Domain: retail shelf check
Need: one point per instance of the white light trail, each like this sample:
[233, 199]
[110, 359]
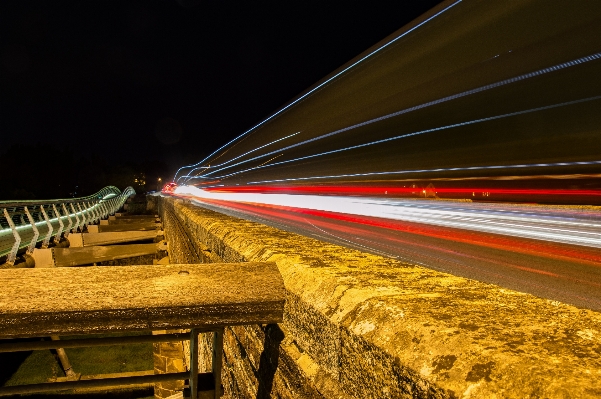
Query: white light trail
[475, 217]
[504, 82]
[488, 119]
[239, 156]
[322, 84]
[398, 172]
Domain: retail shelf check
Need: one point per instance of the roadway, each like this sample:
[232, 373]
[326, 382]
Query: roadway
[550, 252]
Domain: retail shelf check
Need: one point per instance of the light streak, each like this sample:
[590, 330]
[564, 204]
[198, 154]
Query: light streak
[379, 190]
[399, 172]
[269, 160]
[540, 72]
[239, 156]
[467, 123]
[322, 84]
[585, 232]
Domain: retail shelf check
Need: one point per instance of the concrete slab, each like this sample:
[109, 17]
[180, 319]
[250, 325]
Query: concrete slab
[106, 238]
[75, 240]
[124, 227]
[43, 257]
[64, 257]
[127, 220]
[65, 301]
[125, 215]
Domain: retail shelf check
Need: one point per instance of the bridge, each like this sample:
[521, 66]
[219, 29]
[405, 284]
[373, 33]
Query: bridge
[355, 324]
[424, 222]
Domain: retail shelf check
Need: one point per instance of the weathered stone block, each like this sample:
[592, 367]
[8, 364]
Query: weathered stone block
[359, 326]
[176, 365]
[160, 362]
[313, 332]
[171, 350]
[161, 393]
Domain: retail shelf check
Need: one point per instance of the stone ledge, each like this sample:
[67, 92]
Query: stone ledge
[61, 301]
[380, 328]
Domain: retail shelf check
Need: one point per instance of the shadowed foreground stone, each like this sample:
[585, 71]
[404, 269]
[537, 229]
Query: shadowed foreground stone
[360, 326]
[63, 301]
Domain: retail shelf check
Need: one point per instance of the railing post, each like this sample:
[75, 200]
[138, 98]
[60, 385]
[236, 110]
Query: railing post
[49, 234]
[85, 208]
[57, 237]
[97, 210]
[89, 206]
[194, 364]
[110, 206]
[217, 361]
[64, 359]
[13, 252]
[104, 209]
[36, 233]
[76, 218]
[86, 214]
[83, 217]
[92, 210]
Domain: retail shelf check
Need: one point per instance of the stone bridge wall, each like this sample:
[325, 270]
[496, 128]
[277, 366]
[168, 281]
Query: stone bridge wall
[362, 326]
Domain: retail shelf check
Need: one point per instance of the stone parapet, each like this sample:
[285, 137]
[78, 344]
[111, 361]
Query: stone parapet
[358, 325]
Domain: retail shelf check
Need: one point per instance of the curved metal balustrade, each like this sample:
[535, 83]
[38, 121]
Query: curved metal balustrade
[25, 223]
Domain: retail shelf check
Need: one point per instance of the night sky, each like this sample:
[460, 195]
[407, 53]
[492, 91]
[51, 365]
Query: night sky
[164, 82]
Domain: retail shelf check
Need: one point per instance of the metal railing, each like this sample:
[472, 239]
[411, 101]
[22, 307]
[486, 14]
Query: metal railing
[197, 298]
[25, 223]
[194, 382]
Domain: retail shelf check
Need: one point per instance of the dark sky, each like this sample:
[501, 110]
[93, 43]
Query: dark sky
[170, 80]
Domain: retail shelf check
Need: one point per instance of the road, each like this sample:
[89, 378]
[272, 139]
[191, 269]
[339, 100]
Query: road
[563, 262]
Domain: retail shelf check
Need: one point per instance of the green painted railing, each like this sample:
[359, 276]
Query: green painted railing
[25, 223]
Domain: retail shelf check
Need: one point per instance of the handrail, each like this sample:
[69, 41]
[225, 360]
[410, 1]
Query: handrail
[24, 223]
